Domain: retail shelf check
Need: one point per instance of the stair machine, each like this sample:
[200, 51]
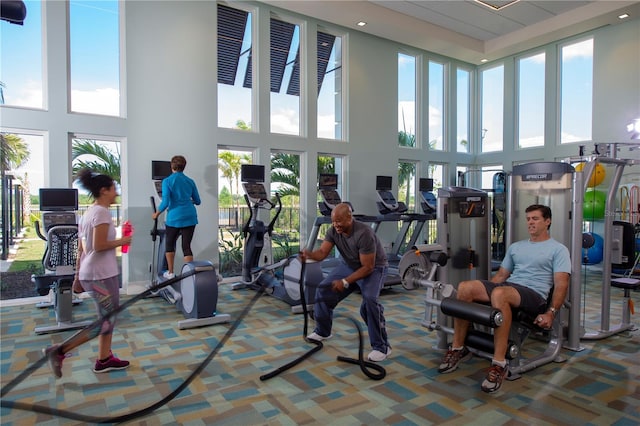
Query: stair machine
[258, 269]
[58, 207]
[461, 253]
[396, 212]
[330, 198]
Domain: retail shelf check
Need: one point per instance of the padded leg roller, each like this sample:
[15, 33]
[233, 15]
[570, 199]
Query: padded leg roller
[474, 312]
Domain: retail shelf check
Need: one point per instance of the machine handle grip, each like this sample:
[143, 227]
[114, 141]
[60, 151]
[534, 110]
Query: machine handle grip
[154, 230]
[37, 224]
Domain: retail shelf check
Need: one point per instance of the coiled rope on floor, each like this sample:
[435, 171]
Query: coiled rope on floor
[365, 366]
[138, 413]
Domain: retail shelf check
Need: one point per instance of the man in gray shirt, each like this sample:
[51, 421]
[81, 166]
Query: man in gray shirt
[364, 266]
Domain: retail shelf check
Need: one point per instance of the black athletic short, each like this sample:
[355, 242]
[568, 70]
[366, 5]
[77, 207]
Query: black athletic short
[530, 300]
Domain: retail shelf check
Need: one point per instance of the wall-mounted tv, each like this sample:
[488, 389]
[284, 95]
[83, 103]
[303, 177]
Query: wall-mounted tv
[58, 199]
[426, 185]
[328, 181]
[160, 169]
[251, 173]
[383, 183]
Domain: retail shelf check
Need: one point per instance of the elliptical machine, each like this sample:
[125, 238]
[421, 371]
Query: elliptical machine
[196, 296]
[258, 271]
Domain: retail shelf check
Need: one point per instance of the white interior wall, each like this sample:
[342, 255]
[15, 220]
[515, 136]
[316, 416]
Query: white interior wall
[170, 49]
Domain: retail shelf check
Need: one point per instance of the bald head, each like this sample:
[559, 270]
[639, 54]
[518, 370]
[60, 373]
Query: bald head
[341, 218]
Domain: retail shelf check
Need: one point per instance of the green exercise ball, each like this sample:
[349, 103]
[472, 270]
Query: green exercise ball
[594, 204]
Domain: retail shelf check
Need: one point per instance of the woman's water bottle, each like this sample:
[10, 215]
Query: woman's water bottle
[127, 231]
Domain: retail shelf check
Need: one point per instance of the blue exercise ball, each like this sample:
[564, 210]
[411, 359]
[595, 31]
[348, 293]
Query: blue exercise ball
[595, 253]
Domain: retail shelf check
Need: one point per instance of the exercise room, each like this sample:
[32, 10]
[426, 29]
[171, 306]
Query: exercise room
[320, 212]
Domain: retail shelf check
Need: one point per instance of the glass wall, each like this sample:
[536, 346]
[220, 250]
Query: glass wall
[577, 91]
[94, 55]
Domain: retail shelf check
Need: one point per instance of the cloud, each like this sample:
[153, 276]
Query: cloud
[100, 101]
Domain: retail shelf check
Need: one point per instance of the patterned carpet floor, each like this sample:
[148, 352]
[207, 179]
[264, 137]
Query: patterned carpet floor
[599, 385]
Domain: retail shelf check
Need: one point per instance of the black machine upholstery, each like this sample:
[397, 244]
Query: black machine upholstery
[60, 256]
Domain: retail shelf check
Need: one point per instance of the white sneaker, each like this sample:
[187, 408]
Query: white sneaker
[377, 356]
[318, 338]
[168, 275]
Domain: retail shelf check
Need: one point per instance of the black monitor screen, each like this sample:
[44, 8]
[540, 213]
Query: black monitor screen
[58, 199]
[426, 185]
[251, 173]
[383, 183]
[160, 169]
[328, 181]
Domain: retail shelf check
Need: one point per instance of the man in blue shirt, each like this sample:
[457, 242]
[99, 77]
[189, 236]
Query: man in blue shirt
[530, 269]
[180, 196]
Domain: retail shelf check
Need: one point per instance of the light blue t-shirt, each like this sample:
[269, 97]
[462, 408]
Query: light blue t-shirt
[532, 264]
[179, 195]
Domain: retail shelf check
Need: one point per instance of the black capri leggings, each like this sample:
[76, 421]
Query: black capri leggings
[171, 235]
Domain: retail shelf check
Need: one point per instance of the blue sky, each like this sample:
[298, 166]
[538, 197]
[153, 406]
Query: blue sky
[94, 47]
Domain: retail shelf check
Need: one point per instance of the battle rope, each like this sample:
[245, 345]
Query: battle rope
[364, 365]
[141, 412]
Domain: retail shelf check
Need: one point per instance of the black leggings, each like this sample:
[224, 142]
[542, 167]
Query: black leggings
[171, 237]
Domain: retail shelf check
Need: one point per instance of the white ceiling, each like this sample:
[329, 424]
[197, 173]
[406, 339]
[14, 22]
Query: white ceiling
[465, 29]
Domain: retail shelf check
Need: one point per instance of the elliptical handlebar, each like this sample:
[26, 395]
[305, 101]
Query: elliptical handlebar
[154, 230]
[253, 211]
[275, 217]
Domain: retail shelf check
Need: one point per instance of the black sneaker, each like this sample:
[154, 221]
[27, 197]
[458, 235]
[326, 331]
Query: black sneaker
[55, 358]
[453, 358]
[494, 378]
[112, 363]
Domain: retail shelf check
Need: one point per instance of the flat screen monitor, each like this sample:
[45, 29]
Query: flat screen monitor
[160, 169]
[383, 183]
[328, 181]
[426, 185]
[251, 173]
[58, 199]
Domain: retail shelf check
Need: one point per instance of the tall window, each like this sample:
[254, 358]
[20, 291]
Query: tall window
[95, 56]
[26, 161]
[332, 165]
[437, 173]
[232, 209]
[21, 59]
[285, 181]
[235, 68]
[406, 100]
[327, 164]
[407, 183]
[100, 155]
[330, 77]
[436, 105]
[531, 82]
[462, 127]
[285, 77]
[492, 108]
[577, 91]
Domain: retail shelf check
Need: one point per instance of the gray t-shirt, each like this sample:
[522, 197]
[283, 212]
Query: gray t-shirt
[361, 241]
[96, 265]
[532, 264]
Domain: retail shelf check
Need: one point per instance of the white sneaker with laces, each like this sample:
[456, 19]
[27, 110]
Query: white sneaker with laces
[318, 338]
[168, 275]
[377, 356]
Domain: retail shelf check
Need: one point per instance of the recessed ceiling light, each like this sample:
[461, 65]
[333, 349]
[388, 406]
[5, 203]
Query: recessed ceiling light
[361, 24]
[484, 60]
[497, 5]
[623, 16]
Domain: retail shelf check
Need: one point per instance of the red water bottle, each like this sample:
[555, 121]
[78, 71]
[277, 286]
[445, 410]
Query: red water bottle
[127, 231]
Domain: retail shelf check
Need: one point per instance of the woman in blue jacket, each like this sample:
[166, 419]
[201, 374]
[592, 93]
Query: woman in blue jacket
[179, 198]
